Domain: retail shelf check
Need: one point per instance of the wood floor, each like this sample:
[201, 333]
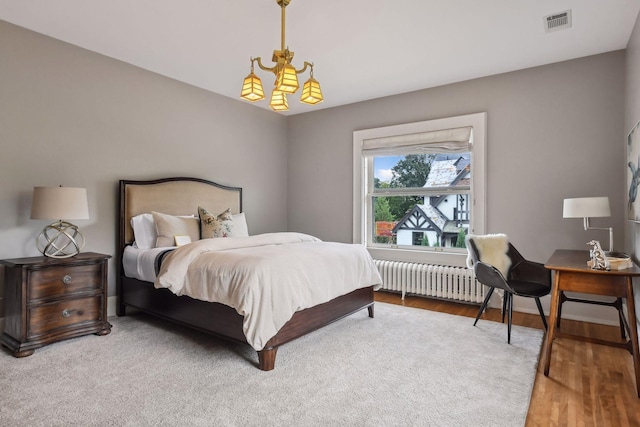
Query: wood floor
[588, 384]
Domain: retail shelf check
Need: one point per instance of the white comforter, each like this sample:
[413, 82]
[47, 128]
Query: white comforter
[267, 277]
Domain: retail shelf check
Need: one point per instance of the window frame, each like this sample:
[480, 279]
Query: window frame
[362, 178]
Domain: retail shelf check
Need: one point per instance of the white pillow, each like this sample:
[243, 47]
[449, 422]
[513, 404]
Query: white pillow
[169, 226]
[240, 228]
[144, 231]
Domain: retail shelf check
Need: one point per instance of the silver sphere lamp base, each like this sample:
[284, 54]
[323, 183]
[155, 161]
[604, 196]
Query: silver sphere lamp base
[60, 240]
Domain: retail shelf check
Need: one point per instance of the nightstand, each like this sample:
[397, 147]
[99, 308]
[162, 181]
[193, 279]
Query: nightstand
[48, 300]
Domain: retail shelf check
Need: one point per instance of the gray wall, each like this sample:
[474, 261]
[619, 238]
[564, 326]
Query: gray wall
[553, 132]
[72, 117]
[632, 116]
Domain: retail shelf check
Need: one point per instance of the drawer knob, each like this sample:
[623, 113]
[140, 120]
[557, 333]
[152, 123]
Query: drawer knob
[66, 279]
[66, 312]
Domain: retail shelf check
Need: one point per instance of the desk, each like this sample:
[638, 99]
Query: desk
[573, 275]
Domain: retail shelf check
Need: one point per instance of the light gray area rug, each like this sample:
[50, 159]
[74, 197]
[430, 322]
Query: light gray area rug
[405, 367]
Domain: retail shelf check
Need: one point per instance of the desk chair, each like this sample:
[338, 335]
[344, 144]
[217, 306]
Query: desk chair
[523, 278]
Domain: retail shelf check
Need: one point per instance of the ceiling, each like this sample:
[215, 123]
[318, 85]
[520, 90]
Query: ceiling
[362, 49]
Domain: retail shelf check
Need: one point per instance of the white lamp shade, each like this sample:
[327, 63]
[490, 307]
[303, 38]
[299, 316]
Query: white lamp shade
[586, 207]
[59, 203]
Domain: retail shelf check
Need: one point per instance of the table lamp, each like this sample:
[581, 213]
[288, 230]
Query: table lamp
[60, 239]
[589, 207]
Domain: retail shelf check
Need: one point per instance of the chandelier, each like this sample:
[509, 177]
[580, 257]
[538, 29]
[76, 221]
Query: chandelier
[286, 77]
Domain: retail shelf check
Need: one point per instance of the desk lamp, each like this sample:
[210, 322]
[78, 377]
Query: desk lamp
[591, 207]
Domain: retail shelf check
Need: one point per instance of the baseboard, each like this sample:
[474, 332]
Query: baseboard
[600, 314]
[111, 306]
[112, 303]
[574, 317]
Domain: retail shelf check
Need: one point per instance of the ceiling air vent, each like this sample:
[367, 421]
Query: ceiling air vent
[557, 21]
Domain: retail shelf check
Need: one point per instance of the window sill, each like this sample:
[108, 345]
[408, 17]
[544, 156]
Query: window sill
[455, 259]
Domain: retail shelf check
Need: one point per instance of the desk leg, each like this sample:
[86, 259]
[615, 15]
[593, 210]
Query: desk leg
[555, 296]
[633, 326]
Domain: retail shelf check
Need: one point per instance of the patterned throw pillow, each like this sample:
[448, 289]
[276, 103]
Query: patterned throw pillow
[220, 225]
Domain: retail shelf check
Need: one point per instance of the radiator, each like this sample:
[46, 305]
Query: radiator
[454, 283]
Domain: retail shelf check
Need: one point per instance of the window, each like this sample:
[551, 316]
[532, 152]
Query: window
[419, 188]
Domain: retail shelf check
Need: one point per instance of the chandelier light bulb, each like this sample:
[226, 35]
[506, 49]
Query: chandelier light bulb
[252, 88]
[279, 101]
[311, 93]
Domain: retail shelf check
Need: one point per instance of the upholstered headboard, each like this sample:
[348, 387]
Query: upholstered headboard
[173, 196]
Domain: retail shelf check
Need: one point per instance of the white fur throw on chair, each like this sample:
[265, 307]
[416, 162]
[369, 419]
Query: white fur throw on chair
[492, 250]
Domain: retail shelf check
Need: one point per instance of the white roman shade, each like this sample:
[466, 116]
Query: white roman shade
[457, 140]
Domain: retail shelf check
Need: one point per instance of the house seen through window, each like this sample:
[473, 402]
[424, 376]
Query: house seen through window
[437, 214]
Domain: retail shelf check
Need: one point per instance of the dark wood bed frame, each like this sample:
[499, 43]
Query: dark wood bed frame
[181, 196]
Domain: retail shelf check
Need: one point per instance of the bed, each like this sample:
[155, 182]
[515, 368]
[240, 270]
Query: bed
[180, 197]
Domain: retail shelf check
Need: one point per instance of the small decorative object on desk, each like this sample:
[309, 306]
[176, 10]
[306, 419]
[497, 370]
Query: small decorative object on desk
[616, 260]
[619, 263]
[598, 259]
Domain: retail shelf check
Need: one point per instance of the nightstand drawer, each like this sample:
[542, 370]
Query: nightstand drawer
[47, 317]
[60, 281]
